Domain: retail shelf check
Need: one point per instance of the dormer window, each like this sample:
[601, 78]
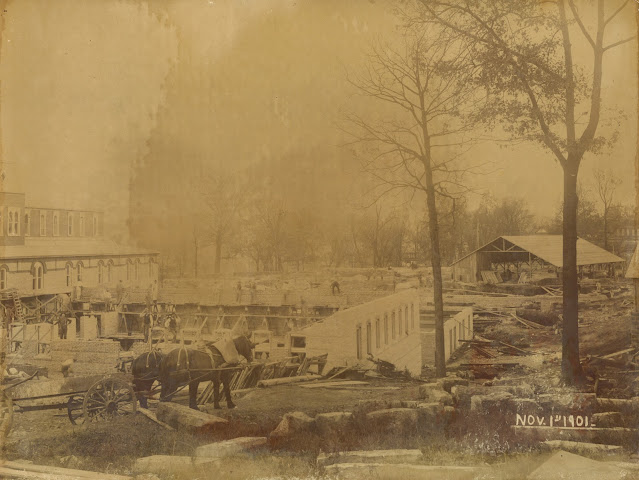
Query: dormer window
[14, 222]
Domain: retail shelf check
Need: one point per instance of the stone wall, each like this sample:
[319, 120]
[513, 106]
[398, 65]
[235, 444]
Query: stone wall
[91, 357]
[386, 328]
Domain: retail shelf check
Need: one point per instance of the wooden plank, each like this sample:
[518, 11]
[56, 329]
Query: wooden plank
[46, 471]
[335, 384]
[287, 380]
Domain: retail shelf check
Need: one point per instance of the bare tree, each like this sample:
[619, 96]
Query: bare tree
[423, 85]
[606, 183]
[223, 197]
[524, 51]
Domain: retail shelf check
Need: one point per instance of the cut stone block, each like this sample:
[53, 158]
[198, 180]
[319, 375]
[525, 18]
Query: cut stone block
[229, 447]
[184, 418]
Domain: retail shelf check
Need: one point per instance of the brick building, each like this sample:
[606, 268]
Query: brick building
[46, 251]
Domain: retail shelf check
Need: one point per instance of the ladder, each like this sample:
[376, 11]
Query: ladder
[17, 303]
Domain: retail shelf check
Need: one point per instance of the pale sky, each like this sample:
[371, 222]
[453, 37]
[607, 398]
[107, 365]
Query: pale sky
[90, 88]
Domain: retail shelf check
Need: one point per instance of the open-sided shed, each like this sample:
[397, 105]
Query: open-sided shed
[526, 249]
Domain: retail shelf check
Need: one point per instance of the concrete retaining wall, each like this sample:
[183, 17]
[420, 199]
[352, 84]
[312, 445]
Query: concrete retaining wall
[387, 328]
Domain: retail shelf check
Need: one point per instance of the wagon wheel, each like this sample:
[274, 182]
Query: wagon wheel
[6, 416]
[109, 398]
[75, 409]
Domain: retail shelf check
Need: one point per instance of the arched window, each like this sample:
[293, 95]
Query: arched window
[81, 226]
[10, 226]
[1, 225]
[43, 225]
[56, 224]
[95, 225]
[79, 268]
[4, 274]
[100, 272]
[369, 338]
[378, 333]
[109, 271]
[69, 272]
[70, 225]
[27, 223]
[399, 321]
[38, 276]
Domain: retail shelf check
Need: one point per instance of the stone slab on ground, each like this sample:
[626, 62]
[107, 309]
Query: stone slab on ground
[184, 418]
[609, 436]
[568, 466]
[572, 447]
[371, 456]
[433, 392]
[332, 421]
[291, 423]
[399, 471]
[229, 447]
[168, 464]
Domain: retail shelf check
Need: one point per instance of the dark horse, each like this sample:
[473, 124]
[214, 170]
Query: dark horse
[145, 369]
[186, 366]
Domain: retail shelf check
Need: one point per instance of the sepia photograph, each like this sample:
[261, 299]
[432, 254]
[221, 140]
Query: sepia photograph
[319, 239]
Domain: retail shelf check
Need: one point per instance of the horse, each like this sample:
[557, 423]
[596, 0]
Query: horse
[186, 366]
[145, 369]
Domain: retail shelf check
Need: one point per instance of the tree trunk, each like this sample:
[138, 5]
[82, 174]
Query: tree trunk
[605, 229]
[570, 365]
[435, 259]
[218, 254]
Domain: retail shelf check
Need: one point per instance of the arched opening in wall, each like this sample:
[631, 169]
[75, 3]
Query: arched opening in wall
[369, 338]
[43, 225]
[56, 224]
[406, 319]
[27, 224]
[400, 325]
[69, 273]
[386, 329]
[378, 333]
[358, 341]
[412, 315]
[100, 272]
[37, 272]
[393, 326]
[4, 278]
[81, 226]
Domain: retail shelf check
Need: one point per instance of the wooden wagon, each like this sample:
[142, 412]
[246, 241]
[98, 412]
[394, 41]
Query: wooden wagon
[89, 398]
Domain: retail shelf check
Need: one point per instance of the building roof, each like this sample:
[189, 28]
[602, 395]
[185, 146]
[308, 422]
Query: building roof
[633, 268]
[549, 248]
[64, 247]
